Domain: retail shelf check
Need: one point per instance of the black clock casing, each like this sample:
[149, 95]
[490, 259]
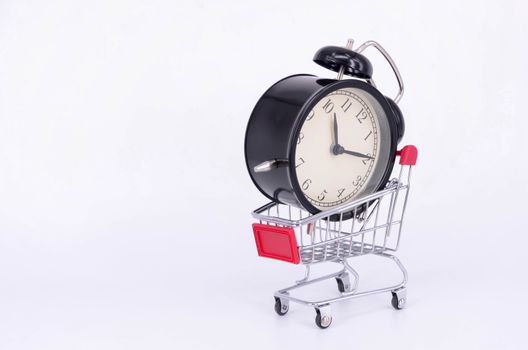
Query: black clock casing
[275, 123]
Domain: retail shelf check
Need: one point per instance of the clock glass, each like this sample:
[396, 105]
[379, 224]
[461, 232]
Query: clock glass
[342, 148]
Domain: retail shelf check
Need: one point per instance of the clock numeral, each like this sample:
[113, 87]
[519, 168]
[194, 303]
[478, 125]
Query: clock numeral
[366, 137]
[362, 115]
[366, 160]
[301, 136]
[306, 184]
[345, 106]
[310, 115]
[322, 195]
[299, 162]
[356, 181]
[328, 106]
[340, 192]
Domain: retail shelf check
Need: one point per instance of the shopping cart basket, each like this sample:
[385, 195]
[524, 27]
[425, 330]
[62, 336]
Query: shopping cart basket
[296, 236]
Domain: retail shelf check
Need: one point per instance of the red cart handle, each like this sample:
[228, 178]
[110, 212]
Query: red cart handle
[408, 155]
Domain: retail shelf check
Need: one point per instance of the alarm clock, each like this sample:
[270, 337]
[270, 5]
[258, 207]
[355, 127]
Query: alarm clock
[318, 143]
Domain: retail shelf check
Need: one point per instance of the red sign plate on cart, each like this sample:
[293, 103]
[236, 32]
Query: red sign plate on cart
[276, 242]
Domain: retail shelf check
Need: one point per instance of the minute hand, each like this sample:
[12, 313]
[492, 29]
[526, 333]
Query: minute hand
[357, 154]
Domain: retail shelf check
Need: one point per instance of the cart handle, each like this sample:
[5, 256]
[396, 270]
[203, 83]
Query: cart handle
[408, 155]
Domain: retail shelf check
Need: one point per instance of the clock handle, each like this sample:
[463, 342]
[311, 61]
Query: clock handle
[391, 63]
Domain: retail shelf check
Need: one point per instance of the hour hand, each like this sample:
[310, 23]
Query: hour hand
[357, 154]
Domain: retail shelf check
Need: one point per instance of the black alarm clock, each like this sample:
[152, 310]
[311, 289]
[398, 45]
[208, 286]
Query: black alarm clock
[318, 143]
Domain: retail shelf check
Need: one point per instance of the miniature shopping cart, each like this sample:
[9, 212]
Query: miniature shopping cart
[296, 236]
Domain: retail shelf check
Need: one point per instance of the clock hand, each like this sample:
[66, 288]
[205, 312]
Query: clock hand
[338, 149]
[357, 154]
[335, 130]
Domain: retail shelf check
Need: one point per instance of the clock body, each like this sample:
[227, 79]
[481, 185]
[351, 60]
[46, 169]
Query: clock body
[328, 141]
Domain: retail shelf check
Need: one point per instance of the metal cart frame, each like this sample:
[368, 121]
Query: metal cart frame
[296, 236]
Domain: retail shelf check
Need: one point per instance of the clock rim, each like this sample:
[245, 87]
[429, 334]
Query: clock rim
[331, 86]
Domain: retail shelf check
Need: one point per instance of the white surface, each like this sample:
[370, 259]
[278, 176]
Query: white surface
[124, 198]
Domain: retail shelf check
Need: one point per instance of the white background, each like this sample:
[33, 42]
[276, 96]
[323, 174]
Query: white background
[125, 202]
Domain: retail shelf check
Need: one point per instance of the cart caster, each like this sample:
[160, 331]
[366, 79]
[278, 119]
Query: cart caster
[343, 282]
[399, 298]
[323, 319]
[282, 306]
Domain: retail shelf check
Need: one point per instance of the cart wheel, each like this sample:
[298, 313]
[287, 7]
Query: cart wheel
[399, 298]
[323, 321]
[340, 285]
[281, 308]
[343, 282]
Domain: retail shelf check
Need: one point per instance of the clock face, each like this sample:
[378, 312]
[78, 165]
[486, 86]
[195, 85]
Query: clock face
[342, 148]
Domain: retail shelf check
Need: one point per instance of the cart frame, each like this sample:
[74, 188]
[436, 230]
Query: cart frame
[296, 236]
